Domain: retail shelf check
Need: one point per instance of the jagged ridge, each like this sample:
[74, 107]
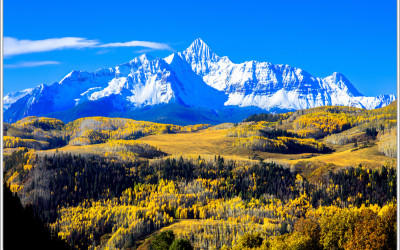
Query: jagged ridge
[196, 79]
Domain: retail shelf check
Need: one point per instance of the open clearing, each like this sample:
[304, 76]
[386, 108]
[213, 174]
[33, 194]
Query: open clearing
[209, 143]
[215, 142]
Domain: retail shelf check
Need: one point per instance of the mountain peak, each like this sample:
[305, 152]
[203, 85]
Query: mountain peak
[142, 58]
[73, 74]
[342, 82]
[198, 42]
[200, 50]
[146, 56]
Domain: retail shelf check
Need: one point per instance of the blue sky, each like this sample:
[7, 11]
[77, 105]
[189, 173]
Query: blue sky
[356, 38]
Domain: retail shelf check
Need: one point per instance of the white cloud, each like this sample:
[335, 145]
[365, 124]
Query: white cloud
[150, 45]
[13, 46]
[141, 51]
[102, 52]
[29, 64]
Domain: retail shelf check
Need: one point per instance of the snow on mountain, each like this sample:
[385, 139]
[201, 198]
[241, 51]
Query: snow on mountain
[369, 102]
[270, 86]
[145, 85]
[190, 88]
[13, 97]
[196, 78]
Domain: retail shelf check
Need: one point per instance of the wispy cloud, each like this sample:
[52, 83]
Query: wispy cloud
[150, 45]
[13, 46]
[103, 51]
[29, 64]
[141, 51]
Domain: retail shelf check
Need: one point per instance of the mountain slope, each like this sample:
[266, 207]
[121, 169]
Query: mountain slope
[195, 80]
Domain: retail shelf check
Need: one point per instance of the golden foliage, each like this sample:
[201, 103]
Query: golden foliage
[248, 130]
[280, 144]
[101, 129]
[322, 123]
[31, 123]
[388, 142]
[14, 142]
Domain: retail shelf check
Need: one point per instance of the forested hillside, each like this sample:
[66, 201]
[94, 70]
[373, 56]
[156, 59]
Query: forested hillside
[321, 178]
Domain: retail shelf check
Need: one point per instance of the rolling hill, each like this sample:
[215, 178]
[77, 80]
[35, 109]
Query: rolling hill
[117, 183]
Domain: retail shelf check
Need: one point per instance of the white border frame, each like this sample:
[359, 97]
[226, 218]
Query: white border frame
[398, 130]
[1, 123]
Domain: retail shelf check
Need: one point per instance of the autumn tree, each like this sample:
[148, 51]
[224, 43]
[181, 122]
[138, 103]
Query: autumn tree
[248, 241]
[369, 232]
[306, 234]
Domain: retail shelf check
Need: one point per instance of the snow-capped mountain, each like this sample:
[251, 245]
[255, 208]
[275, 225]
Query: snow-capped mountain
[270, 86]
[195, 81]
[13, 97]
